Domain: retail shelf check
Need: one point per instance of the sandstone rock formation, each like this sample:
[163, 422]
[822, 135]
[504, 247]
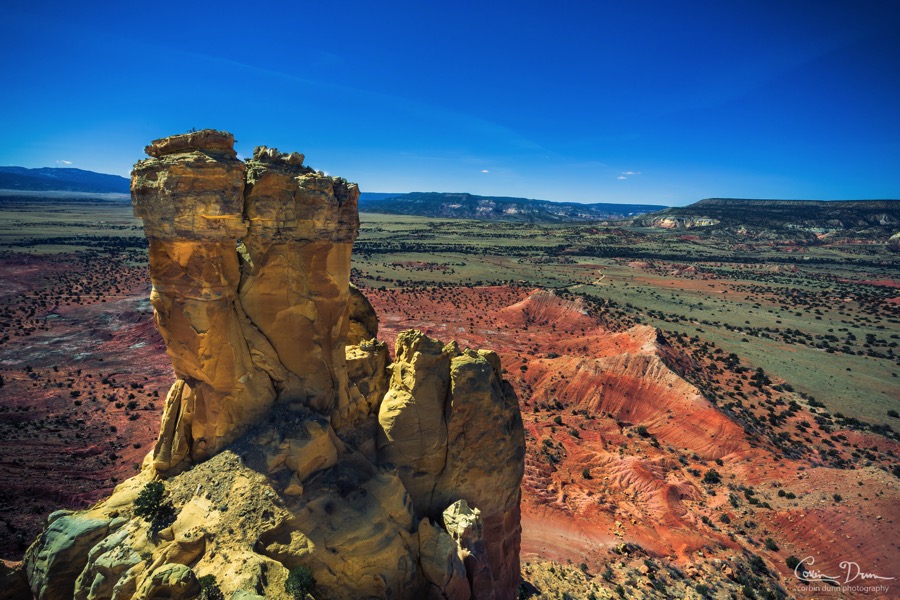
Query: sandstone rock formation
[288, 439]
[232, 319]
[442, 403]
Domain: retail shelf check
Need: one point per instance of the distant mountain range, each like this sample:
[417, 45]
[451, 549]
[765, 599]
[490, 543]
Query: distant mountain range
[495, 208]
[779, 218]
[59, 179]
[712, 216]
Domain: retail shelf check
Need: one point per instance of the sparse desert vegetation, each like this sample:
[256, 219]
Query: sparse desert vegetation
[773, 397]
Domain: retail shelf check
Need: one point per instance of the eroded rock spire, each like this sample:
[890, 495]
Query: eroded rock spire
[250, 266]
[288, 439]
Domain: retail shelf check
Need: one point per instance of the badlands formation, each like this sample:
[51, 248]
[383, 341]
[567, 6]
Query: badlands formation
[289, 438]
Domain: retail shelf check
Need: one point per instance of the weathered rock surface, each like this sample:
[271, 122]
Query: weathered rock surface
[288, 439]
[442, 565]
[363, 320]
[295, 272]
[191, 199]
[452, 427]
[232, 320]
[680, 222]
[60, 554]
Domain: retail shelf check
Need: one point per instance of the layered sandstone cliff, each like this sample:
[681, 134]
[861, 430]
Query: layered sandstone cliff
[288, 438]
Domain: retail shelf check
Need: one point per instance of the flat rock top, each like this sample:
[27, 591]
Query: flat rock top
[207, 140]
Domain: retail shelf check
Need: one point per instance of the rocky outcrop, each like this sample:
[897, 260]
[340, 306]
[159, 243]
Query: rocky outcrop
[295, 273]
[288, 439]
[678, 222]
[801, 221]
[231, 319]
[440, 422]
[62, 552]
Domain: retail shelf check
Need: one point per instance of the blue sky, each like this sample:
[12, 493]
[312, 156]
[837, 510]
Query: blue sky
[658, 102]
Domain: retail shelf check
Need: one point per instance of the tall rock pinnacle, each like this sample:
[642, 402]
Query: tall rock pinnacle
[250, 266]
[289, 440]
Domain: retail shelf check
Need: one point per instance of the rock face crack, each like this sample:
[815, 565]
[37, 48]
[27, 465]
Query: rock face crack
[282, 406]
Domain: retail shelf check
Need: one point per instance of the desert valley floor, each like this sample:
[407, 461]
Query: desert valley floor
[698, 411]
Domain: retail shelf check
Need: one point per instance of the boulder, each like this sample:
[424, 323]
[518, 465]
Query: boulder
[171, 581]
[442, 565]
[57, 557]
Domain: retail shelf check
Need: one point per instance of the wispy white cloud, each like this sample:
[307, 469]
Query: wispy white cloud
[485, 171]
[631, 173]
[64, 162]
[410, 105]
[621, 177]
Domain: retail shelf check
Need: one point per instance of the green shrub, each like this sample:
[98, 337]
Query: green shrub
[209, 589]
[153, 506]
[300, 582]
[758, 565]
[771, 545]
[586, 473]
[792, 562]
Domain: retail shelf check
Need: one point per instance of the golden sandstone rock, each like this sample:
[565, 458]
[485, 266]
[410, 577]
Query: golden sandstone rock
[288, 439]
[440, 423]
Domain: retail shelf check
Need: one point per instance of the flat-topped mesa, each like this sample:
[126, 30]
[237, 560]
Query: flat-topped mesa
[250, 266]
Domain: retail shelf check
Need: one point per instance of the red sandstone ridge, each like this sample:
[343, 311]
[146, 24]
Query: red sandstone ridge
[605, 387]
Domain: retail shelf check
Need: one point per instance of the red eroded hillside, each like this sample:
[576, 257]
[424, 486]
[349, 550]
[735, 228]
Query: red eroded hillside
[622, 449]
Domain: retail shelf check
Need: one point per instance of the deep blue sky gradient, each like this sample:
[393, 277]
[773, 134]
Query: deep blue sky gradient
[661, 102]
